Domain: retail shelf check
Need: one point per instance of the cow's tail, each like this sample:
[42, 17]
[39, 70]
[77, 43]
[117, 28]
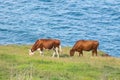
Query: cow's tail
[60, 49]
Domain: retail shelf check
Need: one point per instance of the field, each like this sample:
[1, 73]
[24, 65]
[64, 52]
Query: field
[16, 64]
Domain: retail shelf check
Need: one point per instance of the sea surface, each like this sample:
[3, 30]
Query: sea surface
[25, 21]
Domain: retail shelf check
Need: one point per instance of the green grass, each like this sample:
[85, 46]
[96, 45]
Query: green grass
[16, 64]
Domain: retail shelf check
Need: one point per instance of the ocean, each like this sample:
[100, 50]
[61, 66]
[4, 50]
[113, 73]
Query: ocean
[25, 21]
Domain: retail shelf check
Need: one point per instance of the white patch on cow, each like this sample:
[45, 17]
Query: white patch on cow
[38, 49]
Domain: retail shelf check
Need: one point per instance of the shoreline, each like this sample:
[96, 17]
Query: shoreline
[30, 45]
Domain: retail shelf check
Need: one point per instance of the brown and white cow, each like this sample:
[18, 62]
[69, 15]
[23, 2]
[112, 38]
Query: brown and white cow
[42, 44]
[85, 45]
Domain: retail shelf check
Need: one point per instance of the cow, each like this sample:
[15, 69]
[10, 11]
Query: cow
[85, 45]
[42, 44]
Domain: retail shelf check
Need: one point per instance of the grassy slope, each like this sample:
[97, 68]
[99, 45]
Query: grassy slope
[16, 64]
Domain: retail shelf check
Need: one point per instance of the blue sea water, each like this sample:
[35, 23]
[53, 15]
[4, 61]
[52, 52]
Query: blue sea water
[25, 21]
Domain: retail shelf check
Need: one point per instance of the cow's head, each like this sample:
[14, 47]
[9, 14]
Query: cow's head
[30, 52]
[72, 52]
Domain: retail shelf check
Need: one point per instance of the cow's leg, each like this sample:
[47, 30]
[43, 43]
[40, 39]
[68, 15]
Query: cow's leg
[80, 52]
[94, 52]
[53, 53]
[41, 51]
[57, 50]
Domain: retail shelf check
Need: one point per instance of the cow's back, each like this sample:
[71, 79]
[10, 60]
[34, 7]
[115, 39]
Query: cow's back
[49, 43]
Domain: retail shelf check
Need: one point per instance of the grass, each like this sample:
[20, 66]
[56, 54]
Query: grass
[16, 64]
